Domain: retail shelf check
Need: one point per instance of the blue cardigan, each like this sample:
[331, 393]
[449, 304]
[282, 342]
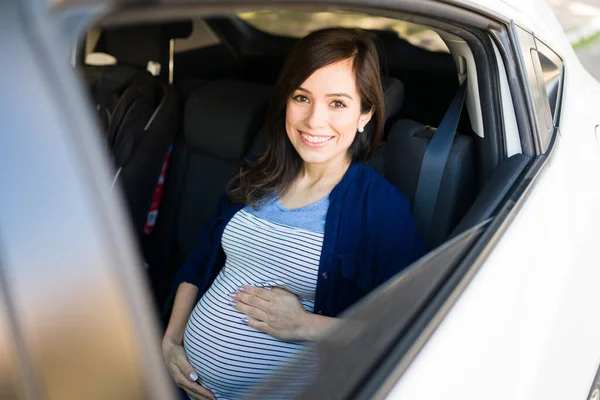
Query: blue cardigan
[370, 236]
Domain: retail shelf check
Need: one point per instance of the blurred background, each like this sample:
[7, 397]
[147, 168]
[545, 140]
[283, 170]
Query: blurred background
[580, 20]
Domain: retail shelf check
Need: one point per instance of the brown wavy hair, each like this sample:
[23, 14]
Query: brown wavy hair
[279, 166]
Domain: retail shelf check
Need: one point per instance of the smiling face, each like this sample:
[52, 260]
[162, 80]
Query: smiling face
[324, 114]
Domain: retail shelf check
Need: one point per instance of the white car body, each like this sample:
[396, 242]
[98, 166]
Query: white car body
[527, 326]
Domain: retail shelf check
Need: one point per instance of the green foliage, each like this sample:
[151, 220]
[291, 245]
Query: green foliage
[581, 43]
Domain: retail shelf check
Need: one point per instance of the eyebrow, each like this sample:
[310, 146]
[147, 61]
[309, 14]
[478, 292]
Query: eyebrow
[328, 94]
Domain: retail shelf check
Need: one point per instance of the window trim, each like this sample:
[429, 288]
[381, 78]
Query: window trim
[545, 127]
[558, 61]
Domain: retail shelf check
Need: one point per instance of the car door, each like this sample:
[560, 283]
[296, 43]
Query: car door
[75, 320]
[523, 328]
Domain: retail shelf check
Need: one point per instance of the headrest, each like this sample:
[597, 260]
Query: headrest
[108, 80]
[221, 117]
[393, 92]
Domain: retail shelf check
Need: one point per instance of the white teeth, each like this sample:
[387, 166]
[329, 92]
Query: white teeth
[315, 139]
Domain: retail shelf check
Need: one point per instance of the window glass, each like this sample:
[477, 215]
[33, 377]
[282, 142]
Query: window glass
[299, 24]
[202, 36]
[551, 74]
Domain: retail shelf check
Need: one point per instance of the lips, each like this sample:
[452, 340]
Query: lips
[314, 140]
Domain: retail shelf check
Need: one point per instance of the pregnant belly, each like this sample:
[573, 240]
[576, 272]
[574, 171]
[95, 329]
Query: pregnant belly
[230, 357]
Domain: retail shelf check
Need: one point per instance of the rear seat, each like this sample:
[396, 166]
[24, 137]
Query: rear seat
[204, 162]
[220, 121]
[403, 157]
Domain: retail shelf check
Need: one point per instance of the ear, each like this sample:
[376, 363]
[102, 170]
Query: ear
[364, 119]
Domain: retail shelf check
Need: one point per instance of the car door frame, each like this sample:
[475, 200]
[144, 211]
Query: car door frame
[79, 319]
[528, 128]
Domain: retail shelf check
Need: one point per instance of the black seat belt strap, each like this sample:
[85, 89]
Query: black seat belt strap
[434, 164]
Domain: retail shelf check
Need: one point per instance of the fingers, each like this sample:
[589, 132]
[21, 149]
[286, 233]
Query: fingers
[280, 290]
[251, 311]
[264, 294]
[195, 396]
[261, 326]
[194, 388]
[182, 362]
[252, 300]
[185, 376]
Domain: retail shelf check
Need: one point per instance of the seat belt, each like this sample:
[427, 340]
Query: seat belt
[434, 164]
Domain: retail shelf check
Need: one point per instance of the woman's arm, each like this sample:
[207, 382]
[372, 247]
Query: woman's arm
[315, 326]
[179, 366]
[185, 300]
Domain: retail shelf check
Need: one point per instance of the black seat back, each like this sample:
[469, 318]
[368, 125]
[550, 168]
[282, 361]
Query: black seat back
[403, 157]
[221, 119]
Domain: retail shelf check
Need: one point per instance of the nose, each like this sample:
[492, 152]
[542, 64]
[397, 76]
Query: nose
[317, 116]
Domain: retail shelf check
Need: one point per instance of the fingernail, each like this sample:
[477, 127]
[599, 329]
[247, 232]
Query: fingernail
[244, 320]
[193, 376]
[233, 303]
[241, 289]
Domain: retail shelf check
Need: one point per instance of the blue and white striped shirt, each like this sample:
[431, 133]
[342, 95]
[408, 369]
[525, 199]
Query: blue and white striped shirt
[271, 246]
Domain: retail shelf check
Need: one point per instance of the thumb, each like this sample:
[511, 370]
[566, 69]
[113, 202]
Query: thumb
[193, 375]
[187, 369]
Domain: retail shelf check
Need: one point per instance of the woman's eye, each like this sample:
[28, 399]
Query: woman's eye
[338, 104]
[300, 98]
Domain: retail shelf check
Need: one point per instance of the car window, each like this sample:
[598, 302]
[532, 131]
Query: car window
[93, 57]
[202, 36]
[533, 74]
[299, 24]
[550, 71]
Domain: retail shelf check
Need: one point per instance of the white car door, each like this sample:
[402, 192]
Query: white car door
[526, 326]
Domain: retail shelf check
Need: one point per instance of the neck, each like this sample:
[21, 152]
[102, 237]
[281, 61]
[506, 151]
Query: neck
[316, 173]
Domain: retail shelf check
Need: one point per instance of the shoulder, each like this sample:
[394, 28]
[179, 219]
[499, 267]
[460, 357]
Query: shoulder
[385, 219]
[374, 188]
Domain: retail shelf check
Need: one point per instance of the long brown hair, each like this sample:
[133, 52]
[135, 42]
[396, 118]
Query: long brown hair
[277, 169]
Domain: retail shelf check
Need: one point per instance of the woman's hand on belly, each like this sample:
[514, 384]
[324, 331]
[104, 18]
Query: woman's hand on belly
[182, 371]
[279, 313]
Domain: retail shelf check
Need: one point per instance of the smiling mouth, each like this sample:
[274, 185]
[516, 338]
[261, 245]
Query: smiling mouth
[315, 139]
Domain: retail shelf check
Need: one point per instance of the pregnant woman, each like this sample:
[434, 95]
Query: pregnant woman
[303, 233]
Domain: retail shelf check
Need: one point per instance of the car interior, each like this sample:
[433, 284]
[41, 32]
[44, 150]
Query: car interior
[181, 104]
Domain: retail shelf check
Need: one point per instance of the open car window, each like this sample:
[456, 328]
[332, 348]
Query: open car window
[299, 24]
[210, 80]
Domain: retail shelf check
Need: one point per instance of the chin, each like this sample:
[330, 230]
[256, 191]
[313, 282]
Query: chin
[314, 157]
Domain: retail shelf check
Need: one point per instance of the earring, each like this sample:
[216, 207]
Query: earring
[361, 129]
